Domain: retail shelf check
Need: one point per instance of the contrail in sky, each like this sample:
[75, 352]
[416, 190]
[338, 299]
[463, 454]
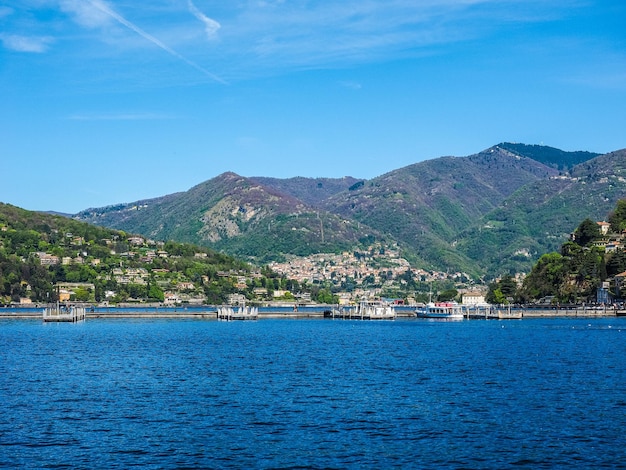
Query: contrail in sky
[119, 18]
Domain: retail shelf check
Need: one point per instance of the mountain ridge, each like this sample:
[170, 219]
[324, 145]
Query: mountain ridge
[430, 209]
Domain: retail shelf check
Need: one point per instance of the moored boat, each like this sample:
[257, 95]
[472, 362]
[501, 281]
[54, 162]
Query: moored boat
[446, 310]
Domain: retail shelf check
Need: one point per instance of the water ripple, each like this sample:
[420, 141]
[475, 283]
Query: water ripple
[313, 394]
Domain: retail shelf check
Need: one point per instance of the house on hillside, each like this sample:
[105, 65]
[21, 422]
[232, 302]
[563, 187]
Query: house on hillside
[136, 241]
[81, 291]
[236, 299]
[46, 259]
[604, 227]
[171, 298]
[620, 284]
[613, 246]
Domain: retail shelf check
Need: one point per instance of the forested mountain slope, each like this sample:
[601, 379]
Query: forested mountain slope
[448, 213]
[538, 217]
[239, 216]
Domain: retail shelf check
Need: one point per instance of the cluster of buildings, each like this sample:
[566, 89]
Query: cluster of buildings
[359, 266]
[363, 267]
[611, 242]
[369, 272]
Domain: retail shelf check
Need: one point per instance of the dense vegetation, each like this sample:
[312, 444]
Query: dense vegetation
[538, 216]
[573, 274]
[84, 254]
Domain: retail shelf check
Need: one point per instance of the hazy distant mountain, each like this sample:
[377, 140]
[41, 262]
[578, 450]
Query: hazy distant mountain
[511, 201]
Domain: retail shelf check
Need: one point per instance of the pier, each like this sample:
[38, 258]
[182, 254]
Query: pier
[363, 311]
[78, 312]
[504, 312]
[492, 313]
[241, 313]
[64, 313]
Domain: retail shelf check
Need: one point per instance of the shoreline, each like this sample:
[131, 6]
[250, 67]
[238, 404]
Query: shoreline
[211, 314]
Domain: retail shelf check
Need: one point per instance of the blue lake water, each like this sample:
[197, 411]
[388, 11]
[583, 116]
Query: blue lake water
[276, 393]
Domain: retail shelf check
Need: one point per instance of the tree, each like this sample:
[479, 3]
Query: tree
[508, 286]
[497, 297]
[448, 294]
[499, 292]
[324, 296]
[587, 232]
[616, 263]
[617, 218]
[82, 295]
[546, 277]
[155, 293]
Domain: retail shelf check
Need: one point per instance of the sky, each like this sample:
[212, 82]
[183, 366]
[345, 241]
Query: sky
[111, 101]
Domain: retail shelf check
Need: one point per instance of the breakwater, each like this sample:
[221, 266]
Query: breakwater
[312, 311]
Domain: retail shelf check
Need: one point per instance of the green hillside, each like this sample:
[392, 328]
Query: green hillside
[538, 217]
[426, 206]
[41, 252]
[311, 191]
[586, 268]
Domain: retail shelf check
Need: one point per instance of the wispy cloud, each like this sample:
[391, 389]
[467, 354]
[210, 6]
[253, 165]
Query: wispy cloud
[25, 43]
[96, 13]
[615, 80]
[301, 33]
[210, 26]
[270, 36]
[87, 13]
[131, 116]
[351, 85]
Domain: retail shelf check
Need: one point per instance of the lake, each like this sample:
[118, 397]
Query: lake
[283, 393]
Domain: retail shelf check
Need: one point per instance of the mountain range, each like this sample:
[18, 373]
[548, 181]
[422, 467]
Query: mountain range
[485, 214]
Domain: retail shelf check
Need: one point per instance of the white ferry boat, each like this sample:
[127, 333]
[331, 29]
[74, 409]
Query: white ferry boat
[449, 310]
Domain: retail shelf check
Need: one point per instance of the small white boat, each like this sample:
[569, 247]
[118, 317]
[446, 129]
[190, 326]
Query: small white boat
[449, 310]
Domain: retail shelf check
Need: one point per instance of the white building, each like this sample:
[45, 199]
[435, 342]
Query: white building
[473, 298]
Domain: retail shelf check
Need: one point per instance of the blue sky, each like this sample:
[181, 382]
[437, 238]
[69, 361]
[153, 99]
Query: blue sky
[108, 101]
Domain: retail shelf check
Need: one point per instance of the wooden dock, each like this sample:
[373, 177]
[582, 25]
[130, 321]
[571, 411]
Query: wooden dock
[64, 313]
[492, 313]
[363, 311]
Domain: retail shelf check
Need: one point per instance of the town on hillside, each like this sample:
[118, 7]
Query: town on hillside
[138, 270]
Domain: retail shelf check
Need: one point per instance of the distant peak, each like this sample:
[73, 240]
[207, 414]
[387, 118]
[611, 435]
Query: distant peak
[551, 156]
